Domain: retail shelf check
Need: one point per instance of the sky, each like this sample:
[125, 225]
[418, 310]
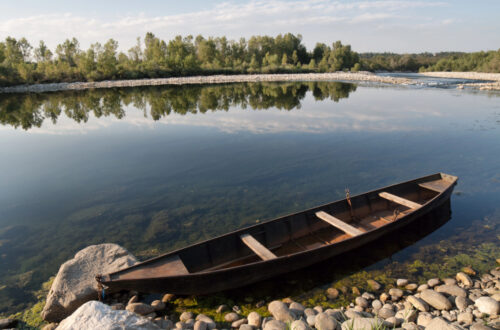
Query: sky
[368, 26]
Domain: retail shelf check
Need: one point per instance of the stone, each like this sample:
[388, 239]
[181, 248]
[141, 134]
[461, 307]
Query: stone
[75, 282]
[435, 299]
[337, 314]
[200, 325]
[311, 320]
[418, 303]
[168, 297]
[280, 311]
[480, 326]
[394, 292]
[469, 271]
[408, 315]
[376, 304]
[352, 314]
[393, 322]
[8, 323]
[465, 318]
[495, 272]
[422, 287]
[254, 319]
[236, 324]
[451, 289]
[384, 297]
[134, 299]
[410, 326]
[309, 311]
[325, 322]
[385, 313]
[423, 319]
[439, 323]
[461, 303]
[118, 307]
[487, 305]
[449, 316]
[332, 293]
[411, 286]
[140, 308]
[299, 325]
[401, 281]
[496, 296]
[362, 302]
[246, 327]
[208, 321]
[318, 309]
[464, 279]
[50, 326]
[186, 316]
[374, 285]
[96, 315]
[363, 323]
[158, 305]
[231, 317]
[449, 281]
[355, 291]
[296, 308]
[433, 282]
[275, 325]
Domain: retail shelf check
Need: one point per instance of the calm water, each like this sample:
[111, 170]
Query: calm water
[156, 168]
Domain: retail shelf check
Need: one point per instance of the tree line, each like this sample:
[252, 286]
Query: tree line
[152, 57]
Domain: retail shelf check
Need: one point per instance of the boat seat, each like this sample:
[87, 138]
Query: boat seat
[436, 185]
[259, 249]
[339, 224]
[399, 200]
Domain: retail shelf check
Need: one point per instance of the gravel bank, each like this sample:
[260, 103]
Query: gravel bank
[216, 79]
[493, 78]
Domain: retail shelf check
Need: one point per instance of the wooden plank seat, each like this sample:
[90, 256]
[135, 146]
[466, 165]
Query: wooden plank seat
[436, 185]
[256, 247]
[339, 224]
[399, 200]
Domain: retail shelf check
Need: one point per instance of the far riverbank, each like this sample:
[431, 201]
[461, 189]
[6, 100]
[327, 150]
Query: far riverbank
[222, 79]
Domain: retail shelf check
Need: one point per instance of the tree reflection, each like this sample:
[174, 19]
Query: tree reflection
[30, 110]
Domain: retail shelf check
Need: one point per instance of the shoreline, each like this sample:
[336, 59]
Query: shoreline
[485, 81]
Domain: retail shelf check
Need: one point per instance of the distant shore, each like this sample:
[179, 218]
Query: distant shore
[222, 79]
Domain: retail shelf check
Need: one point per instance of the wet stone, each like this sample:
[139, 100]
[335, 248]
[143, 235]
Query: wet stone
[464, 279]
[332, 293]
[374, 285]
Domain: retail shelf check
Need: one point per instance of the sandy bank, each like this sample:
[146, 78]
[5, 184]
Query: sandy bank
[216, 79]
[492, 84]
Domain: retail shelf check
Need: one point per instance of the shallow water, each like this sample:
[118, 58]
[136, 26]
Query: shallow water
[157, 168]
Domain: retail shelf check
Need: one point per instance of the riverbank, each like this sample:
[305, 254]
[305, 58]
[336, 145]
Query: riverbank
[492, 78]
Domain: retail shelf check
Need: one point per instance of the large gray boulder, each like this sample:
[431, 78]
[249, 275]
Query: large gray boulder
[95, 315]
[75, 282]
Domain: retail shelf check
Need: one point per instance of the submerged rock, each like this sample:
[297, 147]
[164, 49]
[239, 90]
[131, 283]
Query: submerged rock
[75, 282]
[95, 315]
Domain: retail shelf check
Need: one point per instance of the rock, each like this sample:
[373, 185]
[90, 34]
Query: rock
[208, 321]
[231, 317]
[410, 326]
[449, 281]
[311, 320]
[385, 313]
[275, 325]
[246, 327]
[238, 323]
[118, 307]
[140, 308]
[401, 281]
[296, 308]
[352, 314]
[332, 293]
[451, 289]
[376, 304]
[309, 311]
[186, 316]
[325, 322]
[480, 326]
[393, 322]
[407, 315]
[363, 323]
[8, 323]
[465, 318]
[424, 319]
[167, 297]
[495, 272]
[449, 316]
[158, 305]
[50, 326]
[200, 325]
[435, 299]
[374, 285]
[394, 292]
[318, 309]
[134, 299]
[95, 315]
[368, 296]
[383, 297]
[464, 279]
[254, 319]
[337, 314]
[418, 303]
[487, 305]
[299, 325]
[422, 287]
[280, 311]
[439, 323]
[362, 302]
[75, 282]
[433, 282]
[461, 303]
[469, 271]
[411, 286]
[355, 291]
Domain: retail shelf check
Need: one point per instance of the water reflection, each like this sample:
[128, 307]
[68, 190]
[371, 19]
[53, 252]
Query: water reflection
[31, 110]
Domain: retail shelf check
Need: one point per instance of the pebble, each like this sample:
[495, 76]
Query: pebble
[469, 271]
[376, 304]
[246, 327]
[318, 309]
[384, 297]
[209, 322]
[311, 320]
[407, 315]
[394, 292]
[140, 308]
[401, 282]
[280, 311]
[480, 326]
[158, 305]
[186, 316]
[309, 311]
[461, 303]
[299, 325]
[231, 317]
[451, 289]
[435, 299]
[363, 323]
[118, 306]
[332, 293]
[465, 318]
[418, 303]
[324, 321]
[355, 291]
[393, 322]
[362, 302]
[449, 281]
[134, 299]
[424, 319]
[433, 282]
[374, 285]
[275, 325]
[238, 323]
[167, 297]
[200, 325]
[368, 296]
[464, 279]
[254, 319]
[422, 287]
[385, 313]
[487, 305]
[439, 323]
[296, 308]
[411, 286]
[409, 326]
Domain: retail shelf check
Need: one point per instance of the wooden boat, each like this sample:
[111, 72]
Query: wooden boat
[285, 244]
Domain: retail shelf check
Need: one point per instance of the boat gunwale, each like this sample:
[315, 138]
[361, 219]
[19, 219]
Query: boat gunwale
[107, 278]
